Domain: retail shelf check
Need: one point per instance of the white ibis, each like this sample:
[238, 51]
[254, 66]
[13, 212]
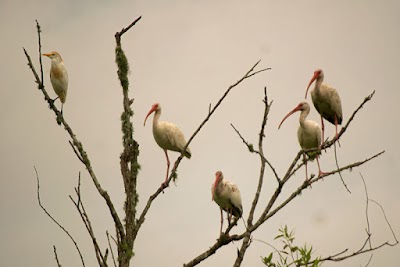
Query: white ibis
[167, 135]
[226, 194]
[326, 101]
[58, 77]
[308, 134]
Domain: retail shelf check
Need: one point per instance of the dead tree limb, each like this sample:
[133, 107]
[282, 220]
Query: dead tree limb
[56, 222]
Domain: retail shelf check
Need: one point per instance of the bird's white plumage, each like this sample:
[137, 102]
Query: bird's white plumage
[167, 135]
[308, 133]
[227, 195]
[326, 101]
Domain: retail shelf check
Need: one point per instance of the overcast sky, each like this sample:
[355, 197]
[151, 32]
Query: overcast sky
[184, 54]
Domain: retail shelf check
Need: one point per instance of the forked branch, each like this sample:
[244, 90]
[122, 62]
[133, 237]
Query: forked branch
[364, 249]
[56, 222]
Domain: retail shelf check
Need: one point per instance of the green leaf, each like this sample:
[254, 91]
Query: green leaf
[278, 236]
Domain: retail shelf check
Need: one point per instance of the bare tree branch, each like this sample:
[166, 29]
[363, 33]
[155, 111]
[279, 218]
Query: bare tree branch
[363, 248]
[83, 157]
[85, 218]
[340, 174]
[54, 220]
[129, 156]
[247, 236]
[40, 54]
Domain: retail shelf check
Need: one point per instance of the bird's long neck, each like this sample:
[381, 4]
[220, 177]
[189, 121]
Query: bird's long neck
[318, 83]
[56, 61]
[156, 118]
[303, 116]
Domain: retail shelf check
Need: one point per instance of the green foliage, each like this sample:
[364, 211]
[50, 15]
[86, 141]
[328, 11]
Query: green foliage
[290, 254]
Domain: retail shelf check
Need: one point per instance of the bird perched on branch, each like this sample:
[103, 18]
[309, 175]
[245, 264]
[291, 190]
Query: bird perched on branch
[227, 195]
[308, 134]
[58, 77]
[326, 101]
[167, 135]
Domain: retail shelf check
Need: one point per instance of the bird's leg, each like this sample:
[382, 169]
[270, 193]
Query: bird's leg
[62, 105]
[337, 135]
[305, 163]
[320, 173]
[166, 176]
[323, 129]
[229, 217]
[222, 222]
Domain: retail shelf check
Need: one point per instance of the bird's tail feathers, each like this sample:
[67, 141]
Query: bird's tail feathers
[188, 154]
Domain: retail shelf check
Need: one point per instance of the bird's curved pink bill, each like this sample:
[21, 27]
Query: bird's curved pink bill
[153, 108]
[316, 75]
[217, 178]
[290, 113]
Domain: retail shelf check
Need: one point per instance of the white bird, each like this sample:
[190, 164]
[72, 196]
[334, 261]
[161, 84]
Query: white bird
[58, 77]
[326, 101]
[308, 134]
[227, 195]
[167, 135]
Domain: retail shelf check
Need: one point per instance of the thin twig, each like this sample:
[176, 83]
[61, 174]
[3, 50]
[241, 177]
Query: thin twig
[387, 221]
[366, 210]
[112, 252]
[337, 166]
[53, 219]
[344, 128]
[55, 253]
[119, 34]
[85, 218]
[40, 52]
[369, 260]
[371, 248]
[76, 152]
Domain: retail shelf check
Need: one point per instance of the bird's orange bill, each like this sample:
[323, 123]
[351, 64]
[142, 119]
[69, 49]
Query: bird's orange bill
[290, 113]
[153, 108]
[311, 81]
[47, 55]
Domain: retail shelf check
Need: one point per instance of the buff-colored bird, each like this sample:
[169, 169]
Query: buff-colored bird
[58, 77]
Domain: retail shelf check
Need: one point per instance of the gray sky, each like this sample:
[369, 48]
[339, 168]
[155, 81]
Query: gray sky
[184, 54]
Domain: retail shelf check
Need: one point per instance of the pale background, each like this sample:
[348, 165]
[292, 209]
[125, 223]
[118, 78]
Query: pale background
[184, 54]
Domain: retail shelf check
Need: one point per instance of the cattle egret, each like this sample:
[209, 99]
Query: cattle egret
[58, 77]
